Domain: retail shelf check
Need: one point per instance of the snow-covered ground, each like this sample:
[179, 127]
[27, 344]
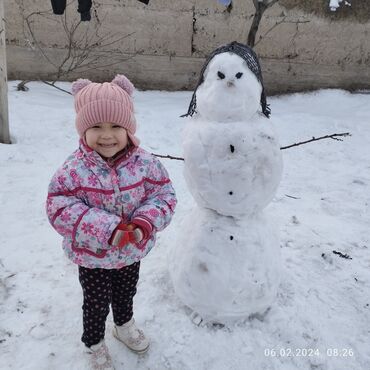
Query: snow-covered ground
[321, 319]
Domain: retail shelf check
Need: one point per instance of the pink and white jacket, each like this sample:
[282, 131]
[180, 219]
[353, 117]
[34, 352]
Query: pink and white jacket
[88, 198]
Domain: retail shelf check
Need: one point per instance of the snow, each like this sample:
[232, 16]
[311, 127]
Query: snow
[322, 205]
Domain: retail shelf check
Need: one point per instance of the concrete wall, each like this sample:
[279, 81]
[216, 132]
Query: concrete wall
[301, 43]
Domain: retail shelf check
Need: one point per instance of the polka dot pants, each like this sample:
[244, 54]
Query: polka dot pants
[101, 288]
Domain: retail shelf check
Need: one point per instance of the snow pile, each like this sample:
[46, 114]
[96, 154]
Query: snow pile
[322, 205]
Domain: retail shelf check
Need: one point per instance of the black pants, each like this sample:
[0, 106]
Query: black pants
[101, 288]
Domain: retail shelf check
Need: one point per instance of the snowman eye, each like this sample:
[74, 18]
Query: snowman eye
[221, 75]
[239, 74]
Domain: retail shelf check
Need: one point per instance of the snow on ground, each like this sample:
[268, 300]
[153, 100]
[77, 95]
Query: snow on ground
[321, 319]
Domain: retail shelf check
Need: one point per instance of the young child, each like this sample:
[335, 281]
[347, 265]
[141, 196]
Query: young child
[108, 201]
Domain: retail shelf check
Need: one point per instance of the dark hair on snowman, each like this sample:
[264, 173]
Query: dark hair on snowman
[253, 64]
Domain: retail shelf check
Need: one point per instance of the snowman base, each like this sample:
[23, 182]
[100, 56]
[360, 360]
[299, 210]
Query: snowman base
[226, 269]
[197, 320]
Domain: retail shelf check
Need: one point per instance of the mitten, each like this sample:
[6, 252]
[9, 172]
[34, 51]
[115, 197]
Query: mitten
[126, 233]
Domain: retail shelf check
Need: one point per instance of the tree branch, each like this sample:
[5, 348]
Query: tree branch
[85, 48]
[333, 136]
[52, 84]
[261, 7]
[168, 157]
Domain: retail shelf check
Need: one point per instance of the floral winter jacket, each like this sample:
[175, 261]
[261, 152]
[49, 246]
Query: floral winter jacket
[88, 198]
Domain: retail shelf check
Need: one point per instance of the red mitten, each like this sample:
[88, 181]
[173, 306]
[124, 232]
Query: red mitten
[126, 233]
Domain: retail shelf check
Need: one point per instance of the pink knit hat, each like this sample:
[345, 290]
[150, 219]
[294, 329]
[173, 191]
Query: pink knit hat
[105, 102]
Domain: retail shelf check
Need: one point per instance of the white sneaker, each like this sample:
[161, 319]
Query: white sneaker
[100, 358]
[130, 335]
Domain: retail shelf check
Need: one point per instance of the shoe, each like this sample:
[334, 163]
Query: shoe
[100, 358]
[130, 335]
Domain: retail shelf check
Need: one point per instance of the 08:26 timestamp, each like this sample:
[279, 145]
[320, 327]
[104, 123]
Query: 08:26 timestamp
[308, 352]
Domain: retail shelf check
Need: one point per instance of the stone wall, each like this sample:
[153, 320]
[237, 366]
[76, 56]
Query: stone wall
[302, 44]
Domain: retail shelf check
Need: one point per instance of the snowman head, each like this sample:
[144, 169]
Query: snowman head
[239, 67]
[230, 90]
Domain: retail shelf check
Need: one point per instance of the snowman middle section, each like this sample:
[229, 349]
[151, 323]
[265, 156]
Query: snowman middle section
[233, 168]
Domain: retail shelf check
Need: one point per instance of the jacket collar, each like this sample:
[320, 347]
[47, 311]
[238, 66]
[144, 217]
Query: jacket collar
[98, 160]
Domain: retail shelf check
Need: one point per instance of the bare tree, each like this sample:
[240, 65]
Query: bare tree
[4, 119]
[261, 6]
[86, 47]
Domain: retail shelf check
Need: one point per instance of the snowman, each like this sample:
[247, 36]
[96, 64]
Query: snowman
[226, 263]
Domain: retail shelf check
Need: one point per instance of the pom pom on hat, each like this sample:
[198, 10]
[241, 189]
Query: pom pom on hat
[124, 83]
[79, 85]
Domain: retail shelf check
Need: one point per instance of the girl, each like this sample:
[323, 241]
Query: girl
[108, 201]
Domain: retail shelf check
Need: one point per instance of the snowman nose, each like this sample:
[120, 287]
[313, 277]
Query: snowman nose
[230, 83]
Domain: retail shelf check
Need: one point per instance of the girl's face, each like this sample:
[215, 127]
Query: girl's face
[106, 138]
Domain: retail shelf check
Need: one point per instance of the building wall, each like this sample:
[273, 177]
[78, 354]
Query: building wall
[302, 45]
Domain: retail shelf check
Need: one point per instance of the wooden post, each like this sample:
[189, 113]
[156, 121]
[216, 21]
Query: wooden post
[4, 118]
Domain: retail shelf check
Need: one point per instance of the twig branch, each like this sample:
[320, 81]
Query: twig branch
[53, 85]
[22, 85]
[168, 157]
[278, 23]
[291, 196]
[332, 136]
[343, 255]
[269, 30]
